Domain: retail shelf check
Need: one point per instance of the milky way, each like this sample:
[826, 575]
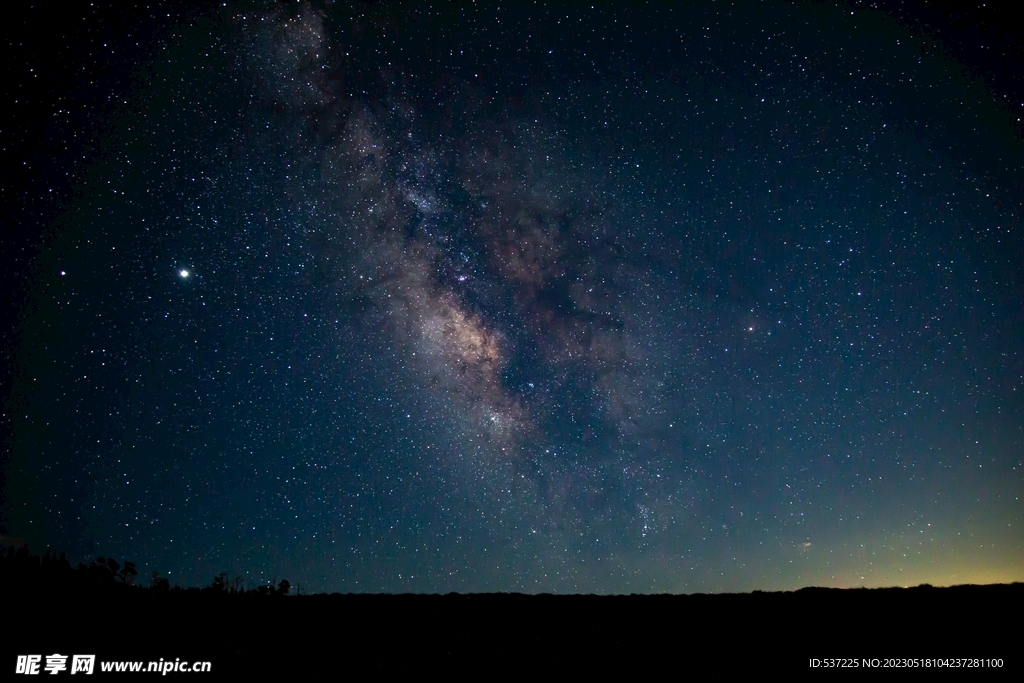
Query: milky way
[595, 300]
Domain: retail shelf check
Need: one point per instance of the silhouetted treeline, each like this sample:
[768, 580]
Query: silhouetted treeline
[100, 607]
[52, 573]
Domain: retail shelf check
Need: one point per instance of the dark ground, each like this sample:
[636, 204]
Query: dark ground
[486, 634]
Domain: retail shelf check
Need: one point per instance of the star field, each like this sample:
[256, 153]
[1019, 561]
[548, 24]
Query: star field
[520, 298]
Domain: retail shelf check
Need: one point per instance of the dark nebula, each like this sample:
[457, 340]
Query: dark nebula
[555, 298]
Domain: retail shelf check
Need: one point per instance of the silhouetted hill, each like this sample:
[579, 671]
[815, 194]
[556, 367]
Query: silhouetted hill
[246, 632]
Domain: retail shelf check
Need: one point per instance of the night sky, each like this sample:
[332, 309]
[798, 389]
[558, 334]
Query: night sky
[515, 297]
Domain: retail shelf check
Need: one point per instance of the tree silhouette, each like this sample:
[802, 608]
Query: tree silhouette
[220, 583]
[19, 568]
[159, 584]
[128, 573]
[102, 570]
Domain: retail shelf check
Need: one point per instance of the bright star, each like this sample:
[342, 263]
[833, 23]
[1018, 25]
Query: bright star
[183, 273]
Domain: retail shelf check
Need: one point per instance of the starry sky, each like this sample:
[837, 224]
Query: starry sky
[517, 297]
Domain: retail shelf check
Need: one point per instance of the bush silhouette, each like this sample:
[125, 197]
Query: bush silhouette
[159, 584]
